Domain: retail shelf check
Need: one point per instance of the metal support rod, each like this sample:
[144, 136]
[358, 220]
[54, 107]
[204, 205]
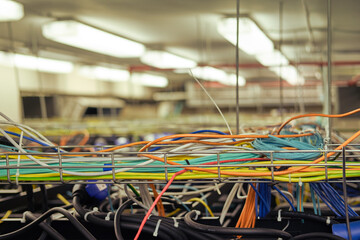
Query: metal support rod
[327, 86]
[281, 87]
[237, 66]
[345, 194]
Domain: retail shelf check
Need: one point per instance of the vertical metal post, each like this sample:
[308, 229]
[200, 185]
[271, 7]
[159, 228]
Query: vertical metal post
[281, 87]
[237, 67]
[327, 83]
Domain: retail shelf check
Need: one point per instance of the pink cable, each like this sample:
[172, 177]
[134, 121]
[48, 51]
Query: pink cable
[155, 202]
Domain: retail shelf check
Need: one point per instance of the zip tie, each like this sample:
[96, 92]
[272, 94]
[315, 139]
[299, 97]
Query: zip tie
[149, 216]
[289, 177]
[176, 223]
[328, 221]
[217, 188]
[23, 219]
[156, 231]
[279, 216]
[107, 218]
[95, 209]
[197, 214]
[300, 182]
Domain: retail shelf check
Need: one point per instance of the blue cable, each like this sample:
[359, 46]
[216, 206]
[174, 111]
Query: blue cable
[285, 197]
[261, 197]
[29, 138]
[181, 202]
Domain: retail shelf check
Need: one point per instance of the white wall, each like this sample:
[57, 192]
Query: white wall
[10, 103]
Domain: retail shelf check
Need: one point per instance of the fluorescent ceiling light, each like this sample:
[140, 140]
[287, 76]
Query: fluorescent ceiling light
[274, 58]
[214, 74]
[149, 80]
[79, 35]
[289, 73]
[160, 59]
[106, 74]
[35, 63]
[251, 39]
[10, 11]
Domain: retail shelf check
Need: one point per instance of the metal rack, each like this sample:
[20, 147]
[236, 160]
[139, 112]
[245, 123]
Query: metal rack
[109, 161]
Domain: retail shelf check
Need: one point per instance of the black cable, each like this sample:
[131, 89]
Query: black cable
[305, 216]
[30, 197]
[317, 236]
[45, 203]
[263, 232]
[46, 227]
[73, 220]
[117, 217]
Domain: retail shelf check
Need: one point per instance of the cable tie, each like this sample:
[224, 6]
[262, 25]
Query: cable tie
[289, 177]
[23, 219]
[197, 214]
[156, 231]
[217, 188]
[149, 216]
[176, 223]
[107, 218]
[328, 221]
[300, 182]
[95, 209]
[279, 216]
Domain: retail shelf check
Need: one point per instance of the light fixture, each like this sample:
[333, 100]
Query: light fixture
[214, 74]
[251, 39]
[36, 63]
[104, 73]
[273, 58]
[79, 35]
[289, 73]
[10, 11]
[165, 60]
[149, 80]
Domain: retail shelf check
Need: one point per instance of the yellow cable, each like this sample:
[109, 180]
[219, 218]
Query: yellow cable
[203, 203]
[64, 200]
[173, 212]
[7, 214]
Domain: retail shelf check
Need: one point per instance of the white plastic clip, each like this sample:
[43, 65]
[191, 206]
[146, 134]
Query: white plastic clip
[217, 188]
[197, 214]
[300, 182]
[23, 219]
[279, 216]
[95, 209]
[289, 177]
[107, 218]
[156, 231]
[149, 216]
[176, 223]
[328, 220]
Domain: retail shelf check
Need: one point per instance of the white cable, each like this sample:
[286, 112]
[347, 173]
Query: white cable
[228, 202]
[217, 107]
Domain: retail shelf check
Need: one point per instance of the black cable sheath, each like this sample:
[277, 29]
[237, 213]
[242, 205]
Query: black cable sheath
[317, 235]
[304, 216]
[44, 194]
[46, 227]
[259, 232]
[73, 220]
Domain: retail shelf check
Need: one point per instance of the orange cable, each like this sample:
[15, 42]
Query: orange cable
[159, 204]
[317, 115]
